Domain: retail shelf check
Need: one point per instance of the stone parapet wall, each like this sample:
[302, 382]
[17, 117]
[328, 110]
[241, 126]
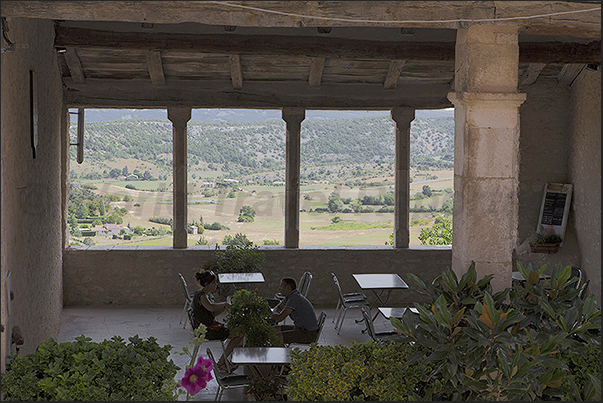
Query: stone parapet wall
[149, 276]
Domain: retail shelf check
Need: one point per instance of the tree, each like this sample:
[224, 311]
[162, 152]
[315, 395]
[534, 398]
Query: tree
[246, 214]
[82, 210]
[239, 239]
[114, 173]
[335, 204]
[439, 234]
[124, 171]
[426, 190]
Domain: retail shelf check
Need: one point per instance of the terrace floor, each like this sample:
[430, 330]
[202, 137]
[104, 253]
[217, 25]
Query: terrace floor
[163, 323]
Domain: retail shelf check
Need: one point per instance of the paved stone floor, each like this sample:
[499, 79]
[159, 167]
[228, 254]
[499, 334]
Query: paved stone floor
[163, 323]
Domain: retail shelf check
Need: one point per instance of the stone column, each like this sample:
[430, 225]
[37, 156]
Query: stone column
[179, 117]
[486, 151]
[402, 117]
[293, 118]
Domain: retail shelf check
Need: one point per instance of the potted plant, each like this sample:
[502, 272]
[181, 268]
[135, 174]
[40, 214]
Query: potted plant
[250, 316]
[543, 242]
[236, 258]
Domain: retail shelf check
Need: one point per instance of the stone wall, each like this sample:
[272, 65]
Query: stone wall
[31, 241]
[560, 141]
[149, 275]
[585, 173]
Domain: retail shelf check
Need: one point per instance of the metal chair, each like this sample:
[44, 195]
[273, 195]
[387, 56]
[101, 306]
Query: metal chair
[347, 301]
[582, 291]
[188, 299]
[576, 273]
[321, 323]
[350, 296]
[377, 336]
[226, 381]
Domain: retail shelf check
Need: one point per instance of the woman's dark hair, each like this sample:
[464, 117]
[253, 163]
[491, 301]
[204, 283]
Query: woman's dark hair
[205, 277]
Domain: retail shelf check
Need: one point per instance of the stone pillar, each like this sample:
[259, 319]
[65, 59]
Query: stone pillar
[402, 117]
[179, 117]
[486, 151]
[293, 118]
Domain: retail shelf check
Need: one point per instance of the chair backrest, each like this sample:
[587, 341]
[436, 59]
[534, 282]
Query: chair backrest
[338, 287]
[582, 291]
[185, 291]
[369, 324]
[215, 369]
[576, 273]
[304, 283]
[321, 322]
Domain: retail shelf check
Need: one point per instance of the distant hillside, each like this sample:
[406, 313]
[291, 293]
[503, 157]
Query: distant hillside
[248, 147]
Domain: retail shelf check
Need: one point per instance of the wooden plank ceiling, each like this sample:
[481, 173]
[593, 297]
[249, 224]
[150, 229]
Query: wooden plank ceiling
[141, 57]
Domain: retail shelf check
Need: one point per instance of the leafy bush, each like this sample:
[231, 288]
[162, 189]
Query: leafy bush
[239, 239]
[369, 371]
[250, 315]
[498, 348]
[85, 370]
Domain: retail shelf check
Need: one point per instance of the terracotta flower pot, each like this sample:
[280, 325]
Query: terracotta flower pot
[544, 247]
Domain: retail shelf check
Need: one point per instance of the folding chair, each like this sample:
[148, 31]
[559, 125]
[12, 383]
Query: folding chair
[370, 328]
[226, 381]
[188, 298]
[347, 301]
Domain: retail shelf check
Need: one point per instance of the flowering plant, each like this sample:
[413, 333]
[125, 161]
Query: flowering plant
[196, 377]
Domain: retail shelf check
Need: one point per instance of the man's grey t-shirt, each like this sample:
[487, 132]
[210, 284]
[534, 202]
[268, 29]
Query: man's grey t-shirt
[303, 314]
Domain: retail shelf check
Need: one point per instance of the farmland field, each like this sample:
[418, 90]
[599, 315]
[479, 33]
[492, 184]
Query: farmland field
[145, 201]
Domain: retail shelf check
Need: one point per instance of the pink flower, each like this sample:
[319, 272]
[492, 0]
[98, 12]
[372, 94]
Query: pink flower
[206, 363]
[196, 378]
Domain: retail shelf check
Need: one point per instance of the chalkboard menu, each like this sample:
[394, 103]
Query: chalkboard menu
[555, 208]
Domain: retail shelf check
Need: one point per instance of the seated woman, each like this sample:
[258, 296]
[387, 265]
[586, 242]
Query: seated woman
[205, 311]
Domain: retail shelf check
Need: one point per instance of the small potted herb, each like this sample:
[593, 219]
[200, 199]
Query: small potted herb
[543, 242]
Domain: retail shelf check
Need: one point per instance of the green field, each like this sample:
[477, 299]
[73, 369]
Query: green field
[268, 203]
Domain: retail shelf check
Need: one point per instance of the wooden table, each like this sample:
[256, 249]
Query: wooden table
[380, 283]
[238, 278]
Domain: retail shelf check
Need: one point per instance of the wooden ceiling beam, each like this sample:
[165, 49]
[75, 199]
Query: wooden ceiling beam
[293, 14]
[529, 52]
[393, 73]
[236, 71]
[531, 74]
[155, 67]
[263, 94]
[317, 66]
[74, 65]
[568, 73]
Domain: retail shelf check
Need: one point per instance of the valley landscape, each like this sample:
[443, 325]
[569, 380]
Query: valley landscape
[347, 179]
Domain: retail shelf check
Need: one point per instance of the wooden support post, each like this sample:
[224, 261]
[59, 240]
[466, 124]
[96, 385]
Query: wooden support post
[293, 118]
[402, 117]
[179, 117]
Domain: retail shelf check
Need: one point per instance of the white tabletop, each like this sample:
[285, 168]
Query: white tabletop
[396, 312]
[262, 355]
[379, 281]
[233, 278]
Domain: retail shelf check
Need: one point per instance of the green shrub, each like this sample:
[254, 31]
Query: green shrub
[369, 371]
[494, 348]
[88, 233]
[250, 315]
[85, 370]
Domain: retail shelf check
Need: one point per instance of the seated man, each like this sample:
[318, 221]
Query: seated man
[305, 325]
